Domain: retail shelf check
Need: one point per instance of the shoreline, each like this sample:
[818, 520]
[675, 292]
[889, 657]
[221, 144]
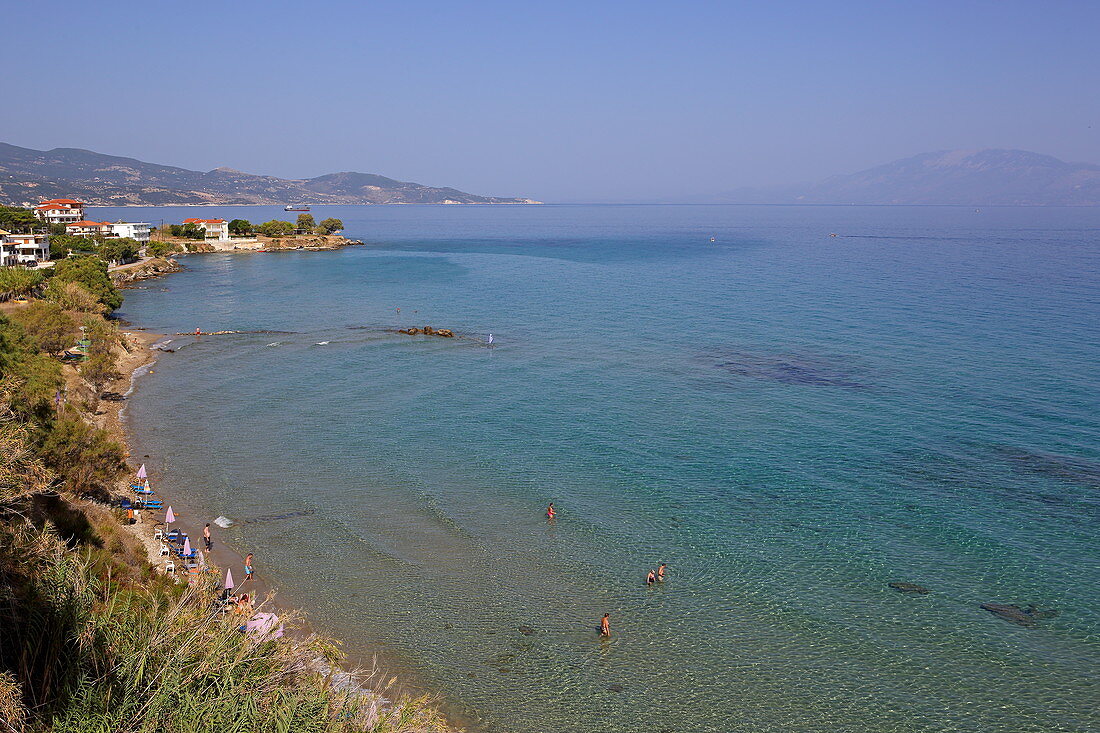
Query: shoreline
[140, 361]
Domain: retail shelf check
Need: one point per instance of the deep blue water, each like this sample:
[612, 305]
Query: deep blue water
[790, 420]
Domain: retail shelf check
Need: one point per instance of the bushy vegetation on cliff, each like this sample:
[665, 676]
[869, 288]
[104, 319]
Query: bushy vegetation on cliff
[92, 638]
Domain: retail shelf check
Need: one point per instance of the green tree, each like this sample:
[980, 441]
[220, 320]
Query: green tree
[58, 229]
[99, 371]
[120, 250]
[18, 220]
[20, 280]
[276, 228]
[330, 226]
[47, 326]
[305, 222]
[240, 226]
[86, 457]
[62, 245]
[160, 248]
[90, 272]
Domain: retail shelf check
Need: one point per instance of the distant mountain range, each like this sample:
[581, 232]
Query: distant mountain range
[950, 177]
[29, 176]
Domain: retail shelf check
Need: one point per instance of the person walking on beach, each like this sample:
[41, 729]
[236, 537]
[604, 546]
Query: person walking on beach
[651, 578]
[661, 573]
[605, 626]
[248, 566]
[550, 513]
[206, 537]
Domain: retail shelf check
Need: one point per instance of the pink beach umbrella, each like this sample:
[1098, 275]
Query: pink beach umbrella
[229, 578]
[261, 627]
[141, 472]
[186, 546]
[169, 517]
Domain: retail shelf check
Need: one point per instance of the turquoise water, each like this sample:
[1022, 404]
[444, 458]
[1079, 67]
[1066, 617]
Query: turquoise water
[790, 420]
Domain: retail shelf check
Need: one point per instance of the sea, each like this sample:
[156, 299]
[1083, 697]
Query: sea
[791, 406]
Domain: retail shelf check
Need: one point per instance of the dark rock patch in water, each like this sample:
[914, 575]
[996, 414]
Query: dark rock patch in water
[1021, 616]
[1066, 468]
[909, 588]
[615, 687]
[526, 630]
[797, 369]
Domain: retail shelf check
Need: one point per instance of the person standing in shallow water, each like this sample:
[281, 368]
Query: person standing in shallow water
[651, 578]
[661, 573]
[605, 626]
[206, 537]
[550, 513]
[248, 566]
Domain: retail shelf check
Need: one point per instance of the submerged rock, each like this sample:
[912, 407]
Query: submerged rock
[910, 588]
[526, 630]
[615, 687]
[1020, 616]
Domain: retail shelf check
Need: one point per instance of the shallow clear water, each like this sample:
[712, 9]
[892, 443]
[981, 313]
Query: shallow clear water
[791, 420]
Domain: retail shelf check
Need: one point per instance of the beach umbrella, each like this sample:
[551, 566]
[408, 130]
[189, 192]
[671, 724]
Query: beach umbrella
[141, 472]
[169, 517]
[186, 546]
[147, 484]
[229, 578]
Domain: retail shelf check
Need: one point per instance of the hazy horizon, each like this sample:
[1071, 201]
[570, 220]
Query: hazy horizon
[570, 103]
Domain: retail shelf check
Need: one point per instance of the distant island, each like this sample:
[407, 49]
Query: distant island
[28, 176]
[948, 177]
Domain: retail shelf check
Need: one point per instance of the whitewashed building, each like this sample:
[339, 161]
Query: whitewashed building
[20, 249]
[215, 228]
[60, 211]
[89, 228]
[137, 230]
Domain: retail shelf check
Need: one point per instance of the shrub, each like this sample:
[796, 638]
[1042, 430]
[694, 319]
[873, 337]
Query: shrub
[19, 280]
[122, 249]
[87, 458]
[158, 248]
[72, 297]
[90, 273]
[47, 326]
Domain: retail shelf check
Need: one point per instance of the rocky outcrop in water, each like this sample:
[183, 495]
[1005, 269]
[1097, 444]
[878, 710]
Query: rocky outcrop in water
[1026, 616]
[155, 267]
[909, 588]
[428, 331]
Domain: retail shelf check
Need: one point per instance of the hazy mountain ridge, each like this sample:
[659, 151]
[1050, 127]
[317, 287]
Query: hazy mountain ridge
[28, 176]
[991, 177]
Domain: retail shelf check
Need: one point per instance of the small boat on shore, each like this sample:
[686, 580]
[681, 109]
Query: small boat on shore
[292, 207]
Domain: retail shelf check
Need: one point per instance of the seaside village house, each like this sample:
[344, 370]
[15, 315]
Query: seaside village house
[22, 249]
[60, 211]
[136, 230]
[88, 228]
[215, 228]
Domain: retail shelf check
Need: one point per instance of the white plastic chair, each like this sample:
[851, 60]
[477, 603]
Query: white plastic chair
[164, 551]
[158, 534]
[169, 566]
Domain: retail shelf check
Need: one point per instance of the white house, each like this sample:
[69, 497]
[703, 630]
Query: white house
[137, 230]
[89, 228]
[19, 249]
[60, 211]
[215, 228]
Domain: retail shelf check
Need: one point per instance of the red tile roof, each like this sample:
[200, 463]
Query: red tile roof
[204, 221]
[68, 202]
[88, 224]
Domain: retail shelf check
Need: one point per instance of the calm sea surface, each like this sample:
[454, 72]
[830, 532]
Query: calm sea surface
[790, 420]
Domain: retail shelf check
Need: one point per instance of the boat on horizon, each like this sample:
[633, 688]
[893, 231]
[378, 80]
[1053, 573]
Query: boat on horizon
[292, 207]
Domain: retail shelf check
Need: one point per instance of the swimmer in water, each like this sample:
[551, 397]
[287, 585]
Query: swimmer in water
[605, 626]
[651, 578]
[550, 513]
[661, 573]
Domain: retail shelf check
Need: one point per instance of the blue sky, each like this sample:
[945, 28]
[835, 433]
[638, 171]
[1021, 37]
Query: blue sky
[561, 101]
